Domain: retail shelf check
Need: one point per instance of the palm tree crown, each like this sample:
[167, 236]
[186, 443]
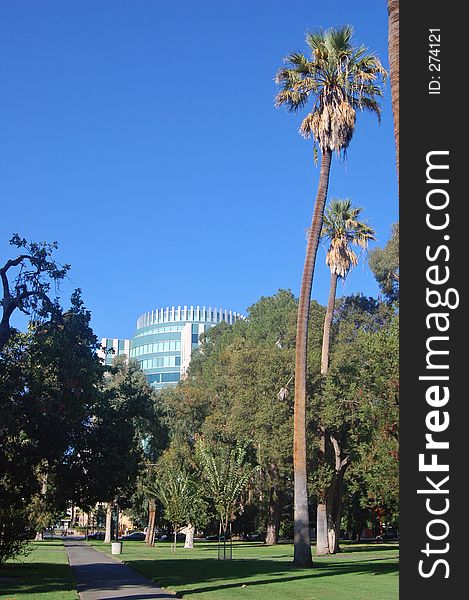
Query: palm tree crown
[339, 78]
[343, 230]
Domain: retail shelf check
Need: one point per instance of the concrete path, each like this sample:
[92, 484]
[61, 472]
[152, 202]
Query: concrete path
[100, 577]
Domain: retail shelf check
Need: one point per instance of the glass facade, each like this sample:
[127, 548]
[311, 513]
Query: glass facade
[166, 337]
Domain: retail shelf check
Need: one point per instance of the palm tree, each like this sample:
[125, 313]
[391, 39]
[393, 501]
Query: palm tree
[337, 80]
[343, 230]
[393, 51]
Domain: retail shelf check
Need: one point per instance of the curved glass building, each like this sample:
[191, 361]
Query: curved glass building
[165, 338]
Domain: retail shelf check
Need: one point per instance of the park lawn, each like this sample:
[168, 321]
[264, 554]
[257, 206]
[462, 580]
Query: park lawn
[43, 575]
[359, 572]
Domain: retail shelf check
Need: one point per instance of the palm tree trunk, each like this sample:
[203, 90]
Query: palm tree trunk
[322, 537]
[302, 549]
[393, 51]
[327, 324]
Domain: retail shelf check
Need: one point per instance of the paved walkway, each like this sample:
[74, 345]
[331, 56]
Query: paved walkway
[100, 577]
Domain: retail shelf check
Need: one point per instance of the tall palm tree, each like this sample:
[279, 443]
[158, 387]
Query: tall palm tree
[335, 81]
[343, 230]
[393, 51]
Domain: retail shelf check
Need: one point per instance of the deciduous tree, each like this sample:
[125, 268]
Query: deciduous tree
[26, 282]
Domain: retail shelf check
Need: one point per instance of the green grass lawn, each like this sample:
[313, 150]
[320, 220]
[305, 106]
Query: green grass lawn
[359, 572]
[44, 574]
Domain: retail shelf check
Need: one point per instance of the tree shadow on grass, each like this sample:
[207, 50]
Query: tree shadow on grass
[21, 578]
[221, 575]
[345, 548]
[367, 547]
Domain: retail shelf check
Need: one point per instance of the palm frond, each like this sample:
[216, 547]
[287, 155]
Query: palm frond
[337, 81]
[293, 99]
[343, 230]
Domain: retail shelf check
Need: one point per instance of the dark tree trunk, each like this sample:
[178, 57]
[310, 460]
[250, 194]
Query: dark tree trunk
[273, 521]
[302, 544]
[8, 306]
[43, 478]
[5, 331]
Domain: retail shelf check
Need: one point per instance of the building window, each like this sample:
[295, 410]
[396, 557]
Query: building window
[169, 377]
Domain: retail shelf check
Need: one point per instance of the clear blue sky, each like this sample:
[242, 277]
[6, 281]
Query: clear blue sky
[142, 136]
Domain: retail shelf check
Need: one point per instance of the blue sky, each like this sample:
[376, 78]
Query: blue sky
[142, 136]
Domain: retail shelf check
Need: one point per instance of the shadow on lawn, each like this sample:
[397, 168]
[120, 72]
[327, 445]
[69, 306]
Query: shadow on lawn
[17, 577]
[218, 574]
[203, 545]
[345, 548]
[364, 547]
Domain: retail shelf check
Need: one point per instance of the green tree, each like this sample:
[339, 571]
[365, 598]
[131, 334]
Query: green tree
[50, 378]
[26, 282]
[177, 458]
[117, 436]
[377, 453]
[242, 391]
[181, 495]
[384, 262]
[18, 480]
[226, 474]
[338, 79]
[358, 409]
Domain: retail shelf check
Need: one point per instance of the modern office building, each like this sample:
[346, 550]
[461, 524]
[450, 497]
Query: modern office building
[112, 347]
[165, 339]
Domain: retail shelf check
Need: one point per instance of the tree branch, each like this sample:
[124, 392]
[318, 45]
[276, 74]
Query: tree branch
[6, 288]
[339, 464]
[14, 262]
